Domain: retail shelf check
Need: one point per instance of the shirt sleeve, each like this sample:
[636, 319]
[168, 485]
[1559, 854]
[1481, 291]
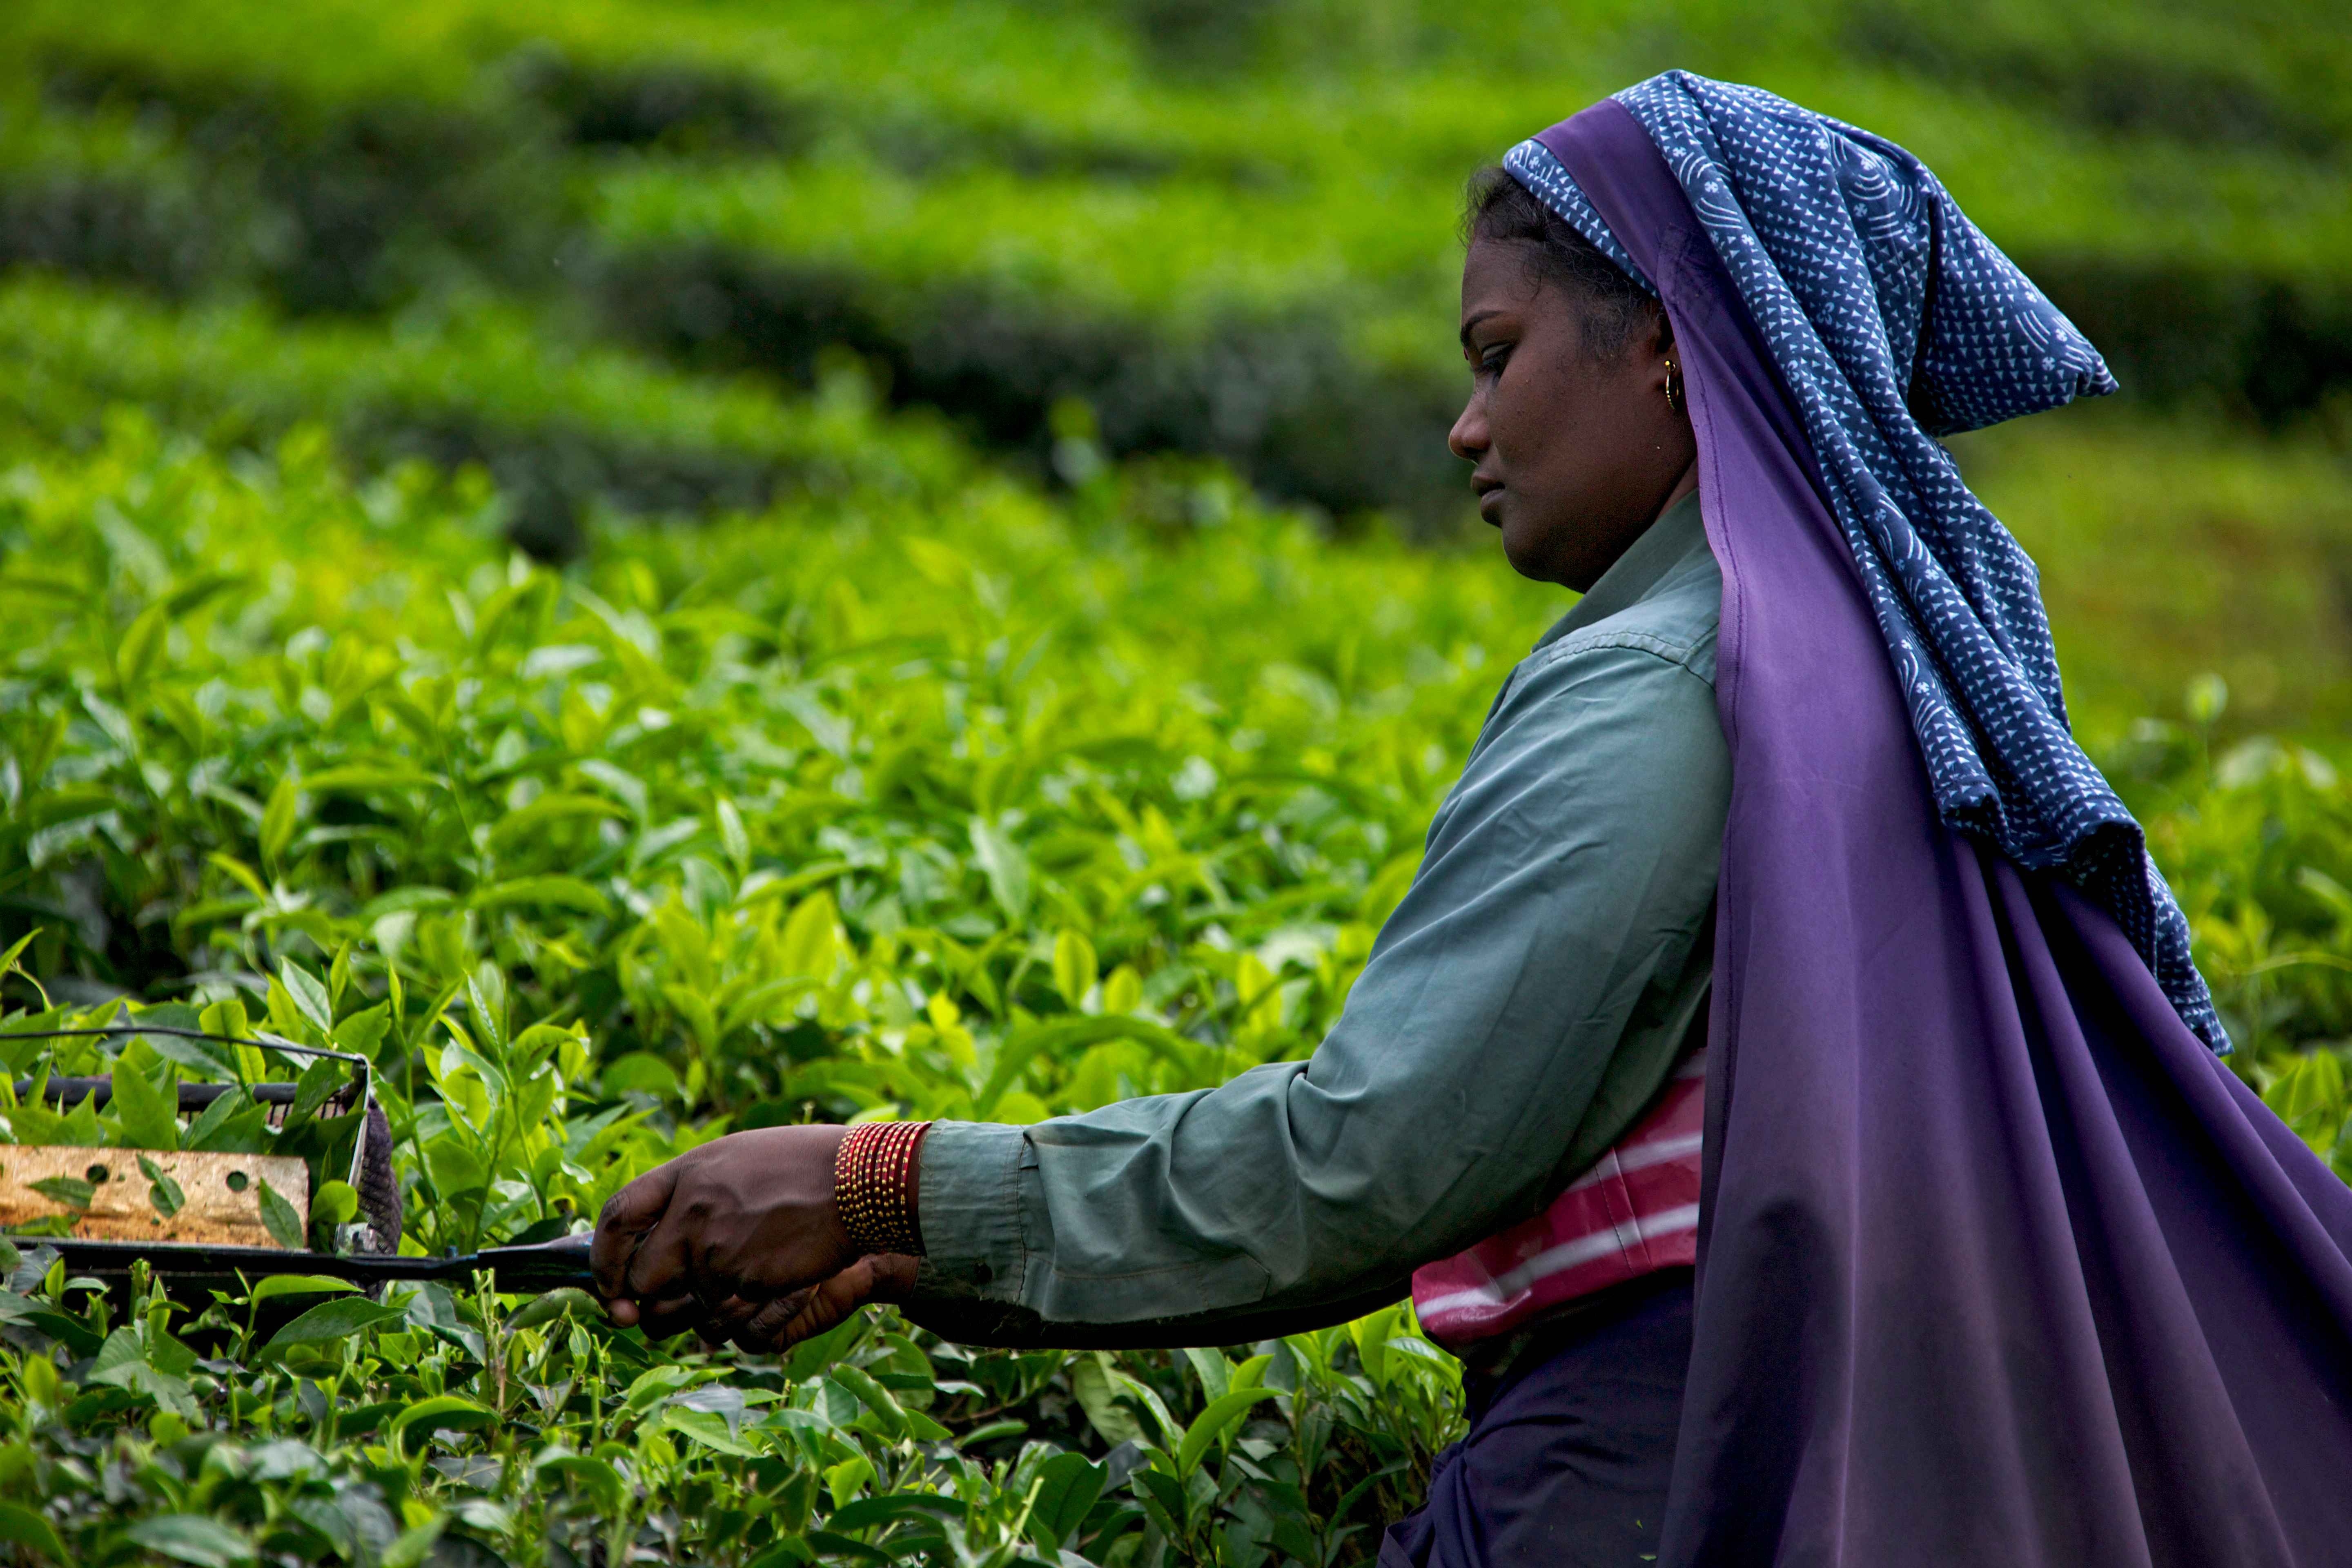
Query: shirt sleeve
[1565, 890]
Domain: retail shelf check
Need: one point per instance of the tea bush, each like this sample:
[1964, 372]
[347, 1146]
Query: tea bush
[807, 816]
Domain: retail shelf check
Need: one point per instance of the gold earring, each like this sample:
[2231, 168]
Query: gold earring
[1673, 386]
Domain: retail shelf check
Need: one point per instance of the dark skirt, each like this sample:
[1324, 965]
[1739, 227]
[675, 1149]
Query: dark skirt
[1566, 1462]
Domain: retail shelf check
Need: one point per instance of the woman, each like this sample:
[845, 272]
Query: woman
[1995, 1262]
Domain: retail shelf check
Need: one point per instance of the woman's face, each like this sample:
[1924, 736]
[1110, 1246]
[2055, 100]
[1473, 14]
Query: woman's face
[1576, 455]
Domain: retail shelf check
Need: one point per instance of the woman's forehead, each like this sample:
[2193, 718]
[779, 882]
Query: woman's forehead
[1499, 270]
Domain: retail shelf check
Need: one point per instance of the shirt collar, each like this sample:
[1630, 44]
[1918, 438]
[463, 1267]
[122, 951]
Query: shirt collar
[1663, 545]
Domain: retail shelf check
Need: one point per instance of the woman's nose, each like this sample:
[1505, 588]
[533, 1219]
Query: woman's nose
[1467, 439]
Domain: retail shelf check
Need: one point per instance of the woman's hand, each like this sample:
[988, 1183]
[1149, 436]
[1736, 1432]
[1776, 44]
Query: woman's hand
[729, 1240]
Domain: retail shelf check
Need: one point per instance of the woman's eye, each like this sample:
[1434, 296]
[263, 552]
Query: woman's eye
[1492, 360]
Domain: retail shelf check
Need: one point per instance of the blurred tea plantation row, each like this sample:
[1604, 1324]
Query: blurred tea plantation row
[658, 569]
[590, 247]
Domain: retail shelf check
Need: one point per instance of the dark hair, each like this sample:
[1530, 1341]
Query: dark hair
[1495, 206]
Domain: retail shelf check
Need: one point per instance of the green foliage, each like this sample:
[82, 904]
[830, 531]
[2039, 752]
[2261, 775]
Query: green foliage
[532, 1436]
[811, 815]
[2255, 836]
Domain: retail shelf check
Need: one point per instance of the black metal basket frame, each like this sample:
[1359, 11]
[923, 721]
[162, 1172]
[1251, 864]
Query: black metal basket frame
[366, 1077]
[546, 1265]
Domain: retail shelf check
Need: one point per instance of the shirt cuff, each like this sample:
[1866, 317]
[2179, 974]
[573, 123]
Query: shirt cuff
[971, 1194]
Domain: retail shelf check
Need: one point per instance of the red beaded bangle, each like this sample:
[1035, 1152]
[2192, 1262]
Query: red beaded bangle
[872, 1185]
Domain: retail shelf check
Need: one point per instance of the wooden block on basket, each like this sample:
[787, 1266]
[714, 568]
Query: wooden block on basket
[220, 1194]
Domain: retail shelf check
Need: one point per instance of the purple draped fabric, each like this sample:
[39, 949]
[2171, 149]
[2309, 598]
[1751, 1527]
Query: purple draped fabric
[1998, 1263]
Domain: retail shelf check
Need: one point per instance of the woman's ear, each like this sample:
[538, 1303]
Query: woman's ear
[1662, 331]
[1666, 364]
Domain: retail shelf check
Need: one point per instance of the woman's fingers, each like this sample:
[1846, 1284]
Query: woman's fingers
[878, 1276]
[673, 1315]
[829, 1303]
[662, 1264]
[787, 1319]
[736, 1319]
[628, 1215]
[723, 1319]
[763, 1330]
[778, 1322]
[894, 1276]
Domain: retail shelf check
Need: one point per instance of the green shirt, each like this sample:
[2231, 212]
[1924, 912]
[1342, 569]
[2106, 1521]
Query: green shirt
[1529, 996]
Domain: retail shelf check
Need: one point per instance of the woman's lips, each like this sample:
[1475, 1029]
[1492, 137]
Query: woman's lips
[1489, 502]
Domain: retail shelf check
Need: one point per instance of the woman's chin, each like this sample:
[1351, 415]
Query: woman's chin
[1524, 548]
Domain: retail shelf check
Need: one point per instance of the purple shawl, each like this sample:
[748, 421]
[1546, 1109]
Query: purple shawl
[1998, 1264]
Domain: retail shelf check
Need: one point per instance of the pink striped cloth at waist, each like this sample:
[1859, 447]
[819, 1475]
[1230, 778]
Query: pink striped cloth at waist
[1633, 1213]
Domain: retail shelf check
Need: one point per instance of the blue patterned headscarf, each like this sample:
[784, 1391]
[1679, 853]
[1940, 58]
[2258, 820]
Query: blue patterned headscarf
[1892, 320]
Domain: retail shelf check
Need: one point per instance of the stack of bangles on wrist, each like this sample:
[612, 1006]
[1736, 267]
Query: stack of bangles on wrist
[874, 1188]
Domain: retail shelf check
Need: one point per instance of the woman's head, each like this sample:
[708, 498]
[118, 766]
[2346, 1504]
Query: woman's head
[1577, 444]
